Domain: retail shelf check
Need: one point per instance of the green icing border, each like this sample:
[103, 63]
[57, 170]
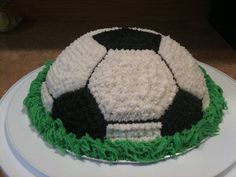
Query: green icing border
[55, 134]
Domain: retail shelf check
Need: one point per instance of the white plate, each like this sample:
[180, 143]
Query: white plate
[12, 166]
[212, 157]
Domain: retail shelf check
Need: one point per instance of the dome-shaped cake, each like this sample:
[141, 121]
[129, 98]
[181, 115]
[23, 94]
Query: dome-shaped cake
[125, 83]
[125, 94]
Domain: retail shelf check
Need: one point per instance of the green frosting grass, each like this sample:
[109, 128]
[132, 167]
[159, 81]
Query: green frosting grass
[55, 134]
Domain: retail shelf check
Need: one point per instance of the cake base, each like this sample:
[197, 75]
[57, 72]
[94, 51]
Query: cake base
[155, 150]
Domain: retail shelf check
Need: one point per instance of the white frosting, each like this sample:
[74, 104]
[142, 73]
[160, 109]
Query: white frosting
[74, 65]
[46, 98]
[185, 68]
[145, 30]
[142, 90]
[205, 100]
[135, 131]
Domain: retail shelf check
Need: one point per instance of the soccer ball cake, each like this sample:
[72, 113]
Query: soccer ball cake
[124, 85]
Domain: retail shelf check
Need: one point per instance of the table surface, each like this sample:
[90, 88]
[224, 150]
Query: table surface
[29, 47]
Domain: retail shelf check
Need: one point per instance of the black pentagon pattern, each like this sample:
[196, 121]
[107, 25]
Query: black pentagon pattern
[126, 38]
[80, 114]
[185, 111]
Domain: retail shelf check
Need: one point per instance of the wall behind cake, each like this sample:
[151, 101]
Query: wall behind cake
[179, 18]
[118, 11]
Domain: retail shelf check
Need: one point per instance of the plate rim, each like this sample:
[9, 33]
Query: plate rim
[8, 162]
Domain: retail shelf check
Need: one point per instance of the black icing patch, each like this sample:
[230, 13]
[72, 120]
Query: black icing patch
[185, 111]
[80, 114]
[126, 38]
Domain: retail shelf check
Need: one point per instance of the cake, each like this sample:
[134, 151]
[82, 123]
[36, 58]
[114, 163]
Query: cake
[125, 94]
